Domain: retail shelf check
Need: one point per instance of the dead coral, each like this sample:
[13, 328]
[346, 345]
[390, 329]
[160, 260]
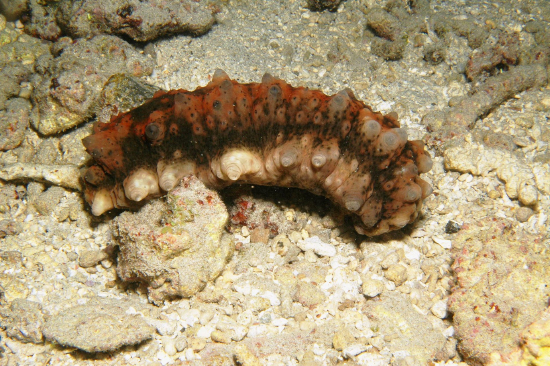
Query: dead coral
[505, 52]
[496, 253]
[139, 20]
[174, 247]
[457, 120]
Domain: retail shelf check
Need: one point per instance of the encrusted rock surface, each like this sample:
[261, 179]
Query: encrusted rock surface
[523, 181]
[68, 91]
[141, 21]
[23, 320]
[138, 20]
[495, 254]
[176, 247]
[19, 55]
[91, 327]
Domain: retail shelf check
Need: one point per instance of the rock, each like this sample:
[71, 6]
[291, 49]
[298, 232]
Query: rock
[14, 121]
[342, 339]
[9, 227]
[523, 214]
[41, 22]
[317, 246]
[174, 247]
[141, 21]
[396, 273]
[56, 202]
[90, 258]
[439, 309]
[521, 182]
[372, 287]
[69, 91]
[63, 175]
[13, 9]
[122, 92]
[535, 340]
[100, 326]
[499, 270]
[393, 314]
[23, 321]
[533, 348]
[221, 337]
[320, 5]
[308, 294]
[13, 288]
[19, 54]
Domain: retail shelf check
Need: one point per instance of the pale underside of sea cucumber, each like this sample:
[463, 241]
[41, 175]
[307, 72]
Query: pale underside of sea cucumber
[267, 133]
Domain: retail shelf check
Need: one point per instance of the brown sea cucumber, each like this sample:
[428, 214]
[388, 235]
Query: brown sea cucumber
[267, 133]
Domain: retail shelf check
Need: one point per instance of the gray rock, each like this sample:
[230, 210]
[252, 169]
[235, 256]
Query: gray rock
[97, 327]
[523, 214]
[308, 294]
[71, 90]
[90, 258]
[396, 273]
[396, 318]
[62, 175]
[14, 120]
[174, 247]
[140, 20]
[23, 321]
[12, 9]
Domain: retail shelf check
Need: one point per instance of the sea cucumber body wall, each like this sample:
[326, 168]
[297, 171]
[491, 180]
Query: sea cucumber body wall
[267, 133]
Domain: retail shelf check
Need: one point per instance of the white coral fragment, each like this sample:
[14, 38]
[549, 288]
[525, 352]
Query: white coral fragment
[67, 176]
[521, 181]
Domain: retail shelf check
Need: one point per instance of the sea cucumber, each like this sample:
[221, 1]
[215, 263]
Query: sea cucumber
[267, 133]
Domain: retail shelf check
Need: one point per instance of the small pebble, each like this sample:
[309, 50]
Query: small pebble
[197, 344]
[280, 244]
[90, 258]
[493, 194]
[317, 246]
[169, 346]
[452, 227]
[245, 357]
[310, 256]
[307, 326]
[205, 317]
[445, 244]
[377, 342]
[523, 214]
[164, 328]
[181, 343]
[528, 194]
[221, 337]
[354, 350]
[397, 274]
[239, 332]
[439, 309]
[372, 287]
[342, 339]
[390, 259]
[295, 236]
[259, 235]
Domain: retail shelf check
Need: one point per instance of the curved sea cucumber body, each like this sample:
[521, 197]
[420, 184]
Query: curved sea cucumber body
[267, 133]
